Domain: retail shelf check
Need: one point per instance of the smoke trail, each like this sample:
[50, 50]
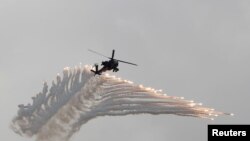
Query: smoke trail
[79, 96]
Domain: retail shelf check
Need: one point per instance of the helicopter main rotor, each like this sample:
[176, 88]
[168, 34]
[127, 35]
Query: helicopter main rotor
[112, 58]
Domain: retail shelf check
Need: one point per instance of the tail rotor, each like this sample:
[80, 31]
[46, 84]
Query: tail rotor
[96, 71]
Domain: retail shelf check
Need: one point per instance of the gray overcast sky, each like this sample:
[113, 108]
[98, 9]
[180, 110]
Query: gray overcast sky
[196, 49]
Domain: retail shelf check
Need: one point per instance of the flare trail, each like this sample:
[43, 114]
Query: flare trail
[79, 96]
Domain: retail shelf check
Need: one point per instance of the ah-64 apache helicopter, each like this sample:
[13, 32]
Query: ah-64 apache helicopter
[111, 64]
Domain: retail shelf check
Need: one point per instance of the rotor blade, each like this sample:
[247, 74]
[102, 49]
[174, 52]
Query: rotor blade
[98, 53]
[96, 68]
[113, 53]
[127, 62]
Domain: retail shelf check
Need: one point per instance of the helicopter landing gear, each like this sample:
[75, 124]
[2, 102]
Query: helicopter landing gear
[115, 70]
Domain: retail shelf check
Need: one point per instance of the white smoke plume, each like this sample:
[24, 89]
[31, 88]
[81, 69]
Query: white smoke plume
[80, 96]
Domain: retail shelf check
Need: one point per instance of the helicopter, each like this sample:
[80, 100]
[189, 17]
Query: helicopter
[111, 64]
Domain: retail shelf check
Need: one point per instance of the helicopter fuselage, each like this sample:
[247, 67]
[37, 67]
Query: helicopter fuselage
[110, 65]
